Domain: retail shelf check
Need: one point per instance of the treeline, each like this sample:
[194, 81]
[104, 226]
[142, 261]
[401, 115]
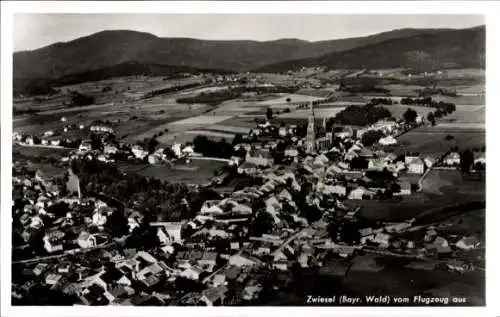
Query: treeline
[426, 92]
[445, 107]
[79, 99]
[211, 148]
[171, 89]
[361, 115]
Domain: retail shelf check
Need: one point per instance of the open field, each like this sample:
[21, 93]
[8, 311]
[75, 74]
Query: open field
[397, 111]
[430, 141]
[38, 151]
[305, 113]
[462, 100]
[466, 116]
[294, 99]
[440, 189]
[215, 134]
[228, 128]
[444, 182]
[196, 172]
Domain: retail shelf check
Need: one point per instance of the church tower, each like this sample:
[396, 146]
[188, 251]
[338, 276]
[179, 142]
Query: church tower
[311, 132]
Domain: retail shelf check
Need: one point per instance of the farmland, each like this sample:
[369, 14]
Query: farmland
[196, 172]
[430, 141]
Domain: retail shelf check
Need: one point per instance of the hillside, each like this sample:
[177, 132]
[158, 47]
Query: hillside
[424, 51]
[109, 48]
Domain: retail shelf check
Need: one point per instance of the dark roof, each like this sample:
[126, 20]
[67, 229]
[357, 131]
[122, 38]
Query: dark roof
[111, 275]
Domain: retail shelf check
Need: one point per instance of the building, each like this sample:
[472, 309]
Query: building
[416, 166]
[86, 240]
[452, 159]
[259, 157]
[311, 132]
[53, 241]
[388, 140]
[101, 128]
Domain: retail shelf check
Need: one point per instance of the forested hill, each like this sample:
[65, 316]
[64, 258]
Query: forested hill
[463, 48]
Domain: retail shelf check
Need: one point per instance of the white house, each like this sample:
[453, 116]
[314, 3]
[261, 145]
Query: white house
[86, 240]
[452, 159]
[388, 140]
[416, 166]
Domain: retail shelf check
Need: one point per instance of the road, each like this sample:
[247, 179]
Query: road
[58, 256]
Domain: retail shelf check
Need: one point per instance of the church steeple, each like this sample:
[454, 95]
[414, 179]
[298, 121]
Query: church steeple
[311, 132]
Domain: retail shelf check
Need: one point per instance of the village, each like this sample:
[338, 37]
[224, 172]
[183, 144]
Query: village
[86, 247]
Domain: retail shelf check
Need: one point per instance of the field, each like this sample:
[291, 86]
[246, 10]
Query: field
[440, 189]
[197, 172]
[305, 113]
[470, 116]
[39, 151]
[397, 111]
[430, 141]
[294, 99]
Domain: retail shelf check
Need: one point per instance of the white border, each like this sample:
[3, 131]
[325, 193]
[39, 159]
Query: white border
[490, 9]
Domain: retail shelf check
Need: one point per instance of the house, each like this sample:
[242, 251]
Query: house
[243, 260]
[452, 159]
[382, 239]
[259, 157]
[248, 168]
[459, 266]
[40, 268]
[139, 152]
[171, 229]
[134, 220]
[208, 261]
[479, 157]
[48, 133]
[388, 140]
[360, 193]
[416, 166]
[291, 152]
[405, 188]
[219, 279]
[53, 241]
[110, 149]
[211, 207]
[468, 243]
[385, 126]
[86, 240]
[429, 161]
[251, 291]
[192, 273]
[53, 279]
[343, 132]
[214, 296]
[101, 128]
[85, 147]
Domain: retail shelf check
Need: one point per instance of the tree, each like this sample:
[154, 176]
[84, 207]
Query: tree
[95, 142]
[466, 161]
[151, 145]
[269, 113]
[288, 100]
[371, 137]
[430, 118]
[238, 138]
[169, 153]
[410, 115]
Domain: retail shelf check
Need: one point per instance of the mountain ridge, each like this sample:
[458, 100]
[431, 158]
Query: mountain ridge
[111, 47]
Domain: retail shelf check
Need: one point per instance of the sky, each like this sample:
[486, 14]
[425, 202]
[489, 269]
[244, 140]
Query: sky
[32, 31]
